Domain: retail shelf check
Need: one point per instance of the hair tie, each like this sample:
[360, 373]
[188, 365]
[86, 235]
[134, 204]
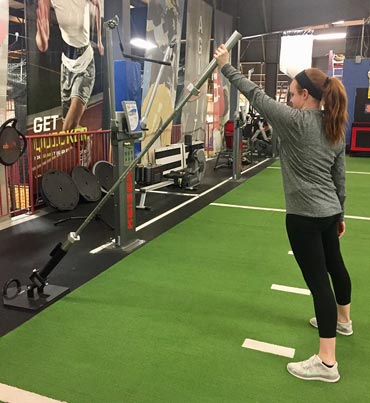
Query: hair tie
[327, 81]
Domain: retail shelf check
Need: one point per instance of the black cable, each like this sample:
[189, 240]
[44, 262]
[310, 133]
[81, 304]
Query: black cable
[125, 55]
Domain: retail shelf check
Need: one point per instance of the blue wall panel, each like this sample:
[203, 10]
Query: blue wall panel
[127, 86]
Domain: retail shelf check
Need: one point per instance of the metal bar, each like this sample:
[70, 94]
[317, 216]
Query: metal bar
[362, 38]
[112, 98]
[236, 148]
[155, 87]
[237, 138]
[146, 59]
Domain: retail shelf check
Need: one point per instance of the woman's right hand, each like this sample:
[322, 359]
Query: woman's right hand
[222, 56]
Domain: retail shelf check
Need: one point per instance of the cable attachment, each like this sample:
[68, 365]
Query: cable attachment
[193, 89]
[73, 237]
[112, 23]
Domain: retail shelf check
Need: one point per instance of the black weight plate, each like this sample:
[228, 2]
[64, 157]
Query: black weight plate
[60, 190]
[103, 170]
[87, 183]
[10, 146]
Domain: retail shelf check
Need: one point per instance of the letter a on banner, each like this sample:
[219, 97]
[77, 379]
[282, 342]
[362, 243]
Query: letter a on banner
[198, 35]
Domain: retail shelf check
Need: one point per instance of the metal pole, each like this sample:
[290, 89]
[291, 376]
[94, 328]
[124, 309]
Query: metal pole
[237, 138]
[110, 25]
[362, 38]
[123, 154]
[156, 84]
[236, 147]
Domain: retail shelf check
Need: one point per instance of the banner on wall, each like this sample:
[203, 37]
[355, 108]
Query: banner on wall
[164, 25]
[197, 56]
[4, 26]
[64, 69]
[221, 86]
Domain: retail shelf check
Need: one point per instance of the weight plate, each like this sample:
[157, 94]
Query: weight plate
[59, 190]
[87, 183]
[10, 146]
[103, 170]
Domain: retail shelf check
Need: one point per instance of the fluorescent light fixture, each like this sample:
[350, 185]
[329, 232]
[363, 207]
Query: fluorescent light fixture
[131, 6]
[143, 44]
[326, 37]
[338, 22]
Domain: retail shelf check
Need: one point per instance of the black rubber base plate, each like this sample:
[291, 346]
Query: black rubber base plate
[22, 301]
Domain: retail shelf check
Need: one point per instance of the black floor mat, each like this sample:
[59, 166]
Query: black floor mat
[25, 247]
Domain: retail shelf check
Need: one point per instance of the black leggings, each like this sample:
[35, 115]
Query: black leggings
[315, 245]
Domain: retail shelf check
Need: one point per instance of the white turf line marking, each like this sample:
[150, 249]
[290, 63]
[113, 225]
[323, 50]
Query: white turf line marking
[354, 217]
[347, 172]
[294, 290]
[248, 207]
[173, 193]
[191, 200]
[269, 348]
[358, 172]
[279, 210]
[10, 394]
[102, 247]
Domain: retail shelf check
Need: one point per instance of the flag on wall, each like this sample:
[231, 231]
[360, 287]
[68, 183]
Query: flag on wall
[223, 30]
[164, 25]
[4, 25]
[197, 57]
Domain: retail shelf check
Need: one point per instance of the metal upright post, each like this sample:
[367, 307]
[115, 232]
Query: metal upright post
[237, 160]
[123, 154]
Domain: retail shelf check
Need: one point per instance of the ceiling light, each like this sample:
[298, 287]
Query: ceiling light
[325, 37]
[143, 44]
[338, 22]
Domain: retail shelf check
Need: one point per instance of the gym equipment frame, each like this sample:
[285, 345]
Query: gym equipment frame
[38, 293]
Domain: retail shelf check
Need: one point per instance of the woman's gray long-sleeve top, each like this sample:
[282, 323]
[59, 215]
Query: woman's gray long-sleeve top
[313, 170]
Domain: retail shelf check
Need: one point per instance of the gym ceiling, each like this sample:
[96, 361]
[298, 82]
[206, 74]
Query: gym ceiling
[254, 17]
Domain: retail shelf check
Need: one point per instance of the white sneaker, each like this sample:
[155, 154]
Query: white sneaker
[314, 370]
[342, 328]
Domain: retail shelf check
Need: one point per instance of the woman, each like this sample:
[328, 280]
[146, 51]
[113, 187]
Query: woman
[312, 154]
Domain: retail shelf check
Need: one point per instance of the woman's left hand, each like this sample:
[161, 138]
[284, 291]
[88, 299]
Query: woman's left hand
[341, 228]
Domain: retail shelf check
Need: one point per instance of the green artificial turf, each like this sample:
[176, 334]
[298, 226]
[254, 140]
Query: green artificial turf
[166, 324]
